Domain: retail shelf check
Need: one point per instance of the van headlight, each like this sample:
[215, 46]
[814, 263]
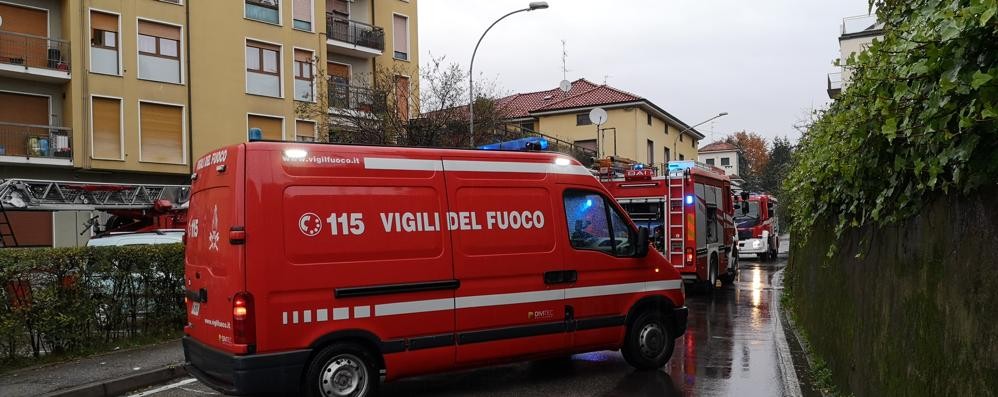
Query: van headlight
[756, 244]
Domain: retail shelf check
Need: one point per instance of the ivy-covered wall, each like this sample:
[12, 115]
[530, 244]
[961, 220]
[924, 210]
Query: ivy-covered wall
[909, 309]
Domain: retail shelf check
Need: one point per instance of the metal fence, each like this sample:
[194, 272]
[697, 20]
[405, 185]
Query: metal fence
[355, 32]
[26, 140]
[34, 51]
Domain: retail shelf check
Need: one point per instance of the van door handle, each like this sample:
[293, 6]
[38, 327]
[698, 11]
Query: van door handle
[561, 277]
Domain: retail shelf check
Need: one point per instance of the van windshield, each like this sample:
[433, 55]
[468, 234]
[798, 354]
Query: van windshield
[747, 219]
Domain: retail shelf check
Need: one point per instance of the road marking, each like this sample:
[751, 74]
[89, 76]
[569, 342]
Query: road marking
[165, 388]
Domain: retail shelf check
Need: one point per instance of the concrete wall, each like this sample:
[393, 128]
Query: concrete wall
[917, 314]
[847, 48]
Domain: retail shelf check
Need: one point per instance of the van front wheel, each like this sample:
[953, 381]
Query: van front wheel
[342, 370]
[649, 342]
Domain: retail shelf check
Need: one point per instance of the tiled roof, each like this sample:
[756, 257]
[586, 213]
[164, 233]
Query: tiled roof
[583, 94]
[719, 146]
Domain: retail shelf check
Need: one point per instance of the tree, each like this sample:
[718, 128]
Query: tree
[391, 113]
[753, 159]
[780, 157]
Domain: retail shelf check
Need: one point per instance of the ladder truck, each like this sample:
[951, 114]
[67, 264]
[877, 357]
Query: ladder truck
[688, 211]
[132, 207]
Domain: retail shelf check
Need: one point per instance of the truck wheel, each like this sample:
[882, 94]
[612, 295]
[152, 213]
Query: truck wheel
[729, 277]
[649, 342]
[342, 370]
[711, 275]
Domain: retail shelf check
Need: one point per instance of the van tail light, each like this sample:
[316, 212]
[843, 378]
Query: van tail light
[689, 256]
[243, 324]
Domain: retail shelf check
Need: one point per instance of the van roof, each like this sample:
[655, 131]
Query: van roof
[416, 150]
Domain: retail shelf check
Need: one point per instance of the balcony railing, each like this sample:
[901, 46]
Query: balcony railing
[354, 32]
[343, 96]
[40, 141]
[834, 84]
[34, 51]
[860, 23]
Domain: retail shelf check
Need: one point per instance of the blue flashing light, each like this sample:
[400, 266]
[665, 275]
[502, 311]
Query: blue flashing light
[255, 134]
[522, 144]
[689, 199]
[589, 203]
[680, 165]
[639, 166]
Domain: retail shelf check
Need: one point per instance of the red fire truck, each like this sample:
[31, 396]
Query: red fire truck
[315, 269]
[758, 226]
[689, 213]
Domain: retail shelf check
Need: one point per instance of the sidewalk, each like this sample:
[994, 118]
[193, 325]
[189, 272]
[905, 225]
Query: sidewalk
[102, 375]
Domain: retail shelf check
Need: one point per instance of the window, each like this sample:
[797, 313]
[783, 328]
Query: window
[104, 57]
[682, 157]
[680, 137]
[271, 127]
[177, 2]
[527, 125]
[668, 156]
[159, 52]
[594, 225]
[649, 118]
[264, 11]
[583, 119]
[710, 161]
[302, 14]
[725, 161]
[651, 152]
[400, 33]
[263, 69]
[402, 96]
[304, 87]
[106, 128]
[305, 131]
[161, 133]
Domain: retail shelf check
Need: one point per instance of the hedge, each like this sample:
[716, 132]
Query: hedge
[57, 301]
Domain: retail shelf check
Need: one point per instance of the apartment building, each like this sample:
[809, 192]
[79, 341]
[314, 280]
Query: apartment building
[636, 128]
[134, 91]
[725, 156]
[857, 33]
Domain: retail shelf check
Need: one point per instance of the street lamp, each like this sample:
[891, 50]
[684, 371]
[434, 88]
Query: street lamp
[676, 140]
[534, 5]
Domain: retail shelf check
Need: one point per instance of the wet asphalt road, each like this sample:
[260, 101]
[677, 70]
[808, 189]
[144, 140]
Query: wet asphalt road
[728, 349]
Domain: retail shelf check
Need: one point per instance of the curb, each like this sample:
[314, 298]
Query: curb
[118, 386]
[791, 385]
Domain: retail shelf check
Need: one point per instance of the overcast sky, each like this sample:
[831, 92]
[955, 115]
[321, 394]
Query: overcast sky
[763, 61]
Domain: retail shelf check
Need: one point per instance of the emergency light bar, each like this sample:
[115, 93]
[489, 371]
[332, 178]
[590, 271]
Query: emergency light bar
[523, 145]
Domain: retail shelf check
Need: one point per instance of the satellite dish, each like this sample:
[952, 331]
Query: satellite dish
[598, 116]
[565, 86]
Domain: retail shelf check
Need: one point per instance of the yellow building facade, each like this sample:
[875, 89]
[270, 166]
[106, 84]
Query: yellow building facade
[635, 129]
[136, 91]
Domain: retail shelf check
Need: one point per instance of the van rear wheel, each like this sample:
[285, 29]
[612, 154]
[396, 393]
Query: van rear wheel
[649, 342]
[342, 370]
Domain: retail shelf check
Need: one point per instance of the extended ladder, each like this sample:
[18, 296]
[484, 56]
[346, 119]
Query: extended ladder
[7, 237]
[39, 195]
[677, 225]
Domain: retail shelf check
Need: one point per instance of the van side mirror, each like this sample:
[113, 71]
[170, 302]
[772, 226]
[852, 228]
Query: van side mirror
[641, 249]
[745, 196]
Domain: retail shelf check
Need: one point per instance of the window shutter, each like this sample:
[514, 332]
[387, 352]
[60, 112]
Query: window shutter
[162, 133]
[305, 128]
[303, 56]
[272, 127]
[102, 21]
[401, 34]
[302, 10]
[338, 6]
[106, 128]
[159, 30]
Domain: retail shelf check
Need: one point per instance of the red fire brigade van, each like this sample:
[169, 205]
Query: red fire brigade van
[689, 213]
[317, 269]
[758, 226]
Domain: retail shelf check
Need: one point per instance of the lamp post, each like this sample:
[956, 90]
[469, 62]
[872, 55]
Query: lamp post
[680, 135]
[535, 5]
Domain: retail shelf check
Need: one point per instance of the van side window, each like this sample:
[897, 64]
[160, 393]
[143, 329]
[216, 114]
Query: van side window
[597, 226]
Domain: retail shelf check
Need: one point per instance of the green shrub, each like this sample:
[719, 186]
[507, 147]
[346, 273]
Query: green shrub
[71, 300]
[918, 119]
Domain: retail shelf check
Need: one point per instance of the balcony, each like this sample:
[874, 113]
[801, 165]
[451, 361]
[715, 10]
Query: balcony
[35, 144]
[36, 58]
[352, 99]
[861, 25]
[353, 37]
[834, 84]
